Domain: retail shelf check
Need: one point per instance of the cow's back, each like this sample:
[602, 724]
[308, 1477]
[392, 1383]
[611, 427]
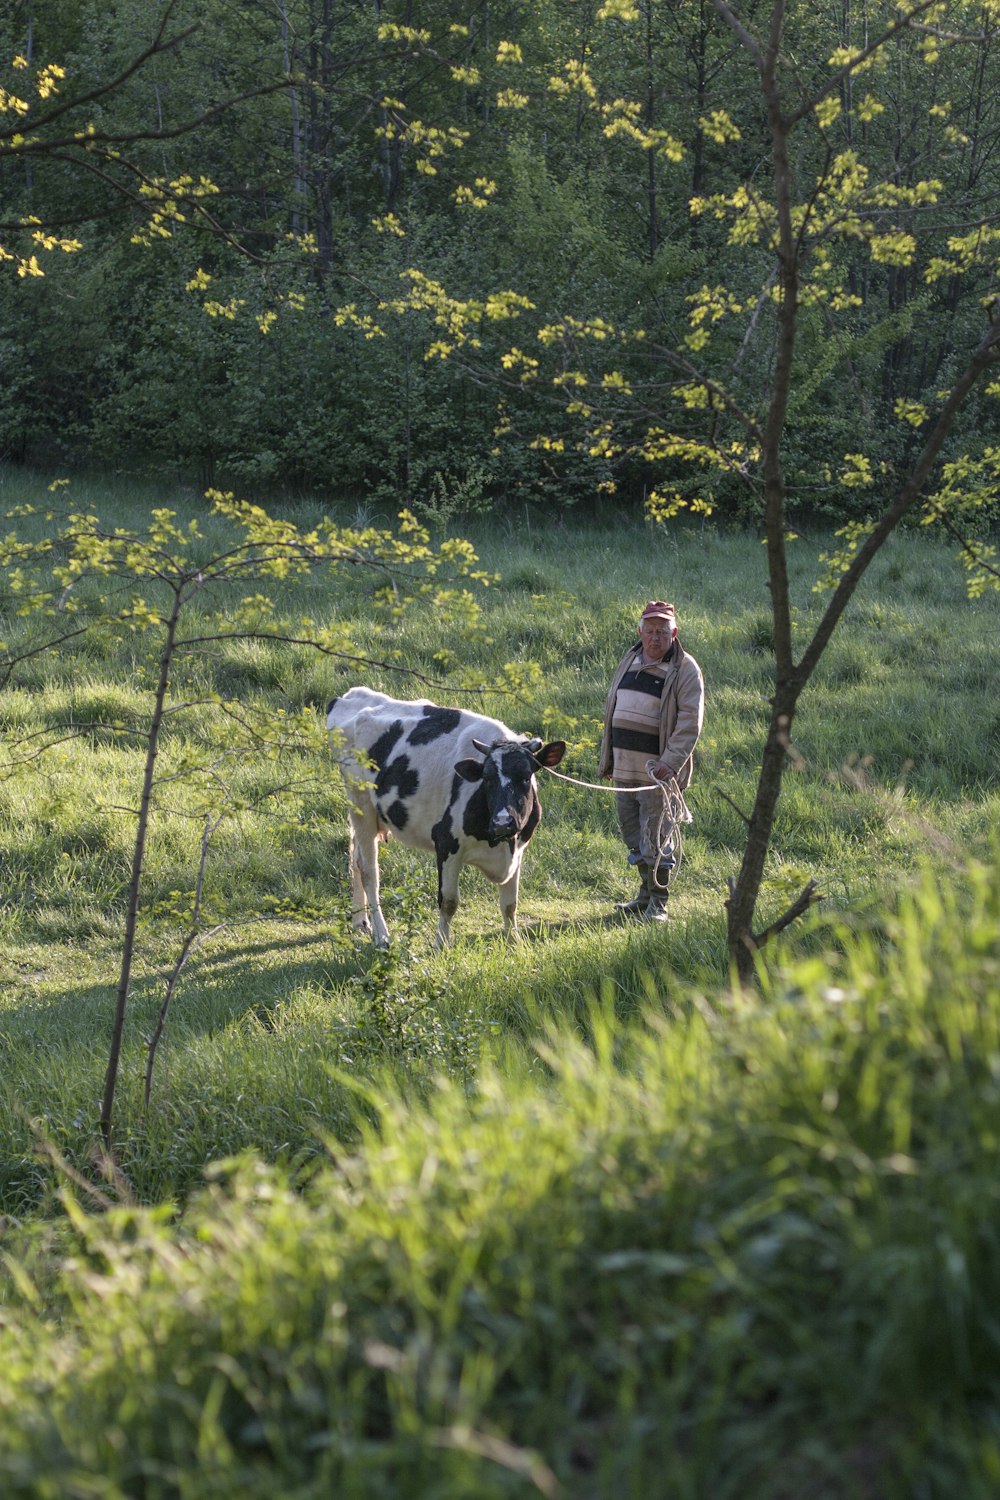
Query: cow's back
[405, 750]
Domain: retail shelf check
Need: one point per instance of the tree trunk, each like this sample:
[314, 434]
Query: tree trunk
[652, 209]
[298, 179]
[745, 889]
[138, 852]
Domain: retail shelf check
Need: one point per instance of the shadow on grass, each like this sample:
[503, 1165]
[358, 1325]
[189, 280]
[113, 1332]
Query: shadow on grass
[228, 983]
[241, 1091]
[534, 929]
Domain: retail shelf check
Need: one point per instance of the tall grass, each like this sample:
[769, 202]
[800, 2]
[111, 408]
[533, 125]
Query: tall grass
[735, 1247]
[896, 761]
[561, 1218]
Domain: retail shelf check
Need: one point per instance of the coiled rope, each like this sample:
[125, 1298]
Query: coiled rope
[673, 812]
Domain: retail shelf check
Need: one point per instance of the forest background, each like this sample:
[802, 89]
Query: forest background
[447, 258]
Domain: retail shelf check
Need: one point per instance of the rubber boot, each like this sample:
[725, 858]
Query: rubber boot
[638, 905]
[656, 906]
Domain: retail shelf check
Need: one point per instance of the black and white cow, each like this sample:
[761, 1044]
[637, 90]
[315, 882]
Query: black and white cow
[440, 779]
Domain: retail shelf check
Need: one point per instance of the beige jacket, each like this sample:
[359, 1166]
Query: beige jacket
[682, 713]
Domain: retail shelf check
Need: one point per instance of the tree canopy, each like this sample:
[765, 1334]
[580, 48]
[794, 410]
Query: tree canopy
[528, 253]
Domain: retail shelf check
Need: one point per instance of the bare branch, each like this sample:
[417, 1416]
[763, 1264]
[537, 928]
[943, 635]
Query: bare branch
[684, 367]
[156, 48]
[762, 299]
[968, 547]
[9, 661]
[801, 904]
[291, 640]
[904, 23]
[47, 145]
[987, 354]
[73, 732]
[749, 42]
[192, 940]
[735, 807]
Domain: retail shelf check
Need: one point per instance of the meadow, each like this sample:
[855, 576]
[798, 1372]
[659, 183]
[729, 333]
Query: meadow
[564, 1217]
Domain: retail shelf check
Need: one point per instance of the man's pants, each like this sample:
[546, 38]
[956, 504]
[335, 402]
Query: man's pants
[647, 829]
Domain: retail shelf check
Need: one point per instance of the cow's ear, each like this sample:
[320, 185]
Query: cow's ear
[469, 770]
[551, 754]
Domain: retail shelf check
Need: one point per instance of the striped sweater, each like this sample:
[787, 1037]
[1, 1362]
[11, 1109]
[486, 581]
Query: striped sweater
[635, 722]
[676, 721]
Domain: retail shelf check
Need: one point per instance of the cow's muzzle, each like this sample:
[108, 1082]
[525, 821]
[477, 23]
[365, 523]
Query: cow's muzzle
[503, 826]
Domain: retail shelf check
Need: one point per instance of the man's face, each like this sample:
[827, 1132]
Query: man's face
[657, 637]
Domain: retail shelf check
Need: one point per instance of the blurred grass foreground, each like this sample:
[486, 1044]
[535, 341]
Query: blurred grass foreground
[753, 1254]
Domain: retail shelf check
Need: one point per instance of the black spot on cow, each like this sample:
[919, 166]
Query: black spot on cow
[476, 818]
[398, 815]
[443, 835]
[384, 745]
[396, 777]
[532, 821]
[434, 722]
[443, 838]
[329, 707]
[517, 766]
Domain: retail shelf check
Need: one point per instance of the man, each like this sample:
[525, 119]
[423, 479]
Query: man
[652, 720]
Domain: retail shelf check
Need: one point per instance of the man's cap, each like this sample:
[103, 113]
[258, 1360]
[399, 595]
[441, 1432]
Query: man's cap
[657, 610]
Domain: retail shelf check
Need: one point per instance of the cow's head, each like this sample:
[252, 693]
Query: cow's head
[507, 772]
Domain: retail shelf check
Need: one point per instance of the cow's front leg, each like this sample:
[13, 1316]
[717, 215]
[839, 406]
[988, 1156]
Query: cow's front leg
[508, 904]
[448, 872]
[366, 915]
[360, 920]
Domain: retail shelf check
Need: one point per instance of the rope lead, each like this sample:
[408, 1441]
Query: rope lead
[673, 812]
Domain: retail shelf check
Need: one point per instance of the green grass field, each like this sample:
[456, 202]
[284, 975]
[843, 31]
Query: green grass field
[563, 1217]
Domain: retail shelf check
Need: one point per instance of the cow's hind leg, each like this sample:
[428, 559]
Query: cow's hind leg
[508, 904]
[366, 914]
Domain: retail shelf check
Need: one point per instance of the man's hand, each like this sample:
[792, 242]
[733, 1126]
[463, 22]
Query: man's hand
[664, 773]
